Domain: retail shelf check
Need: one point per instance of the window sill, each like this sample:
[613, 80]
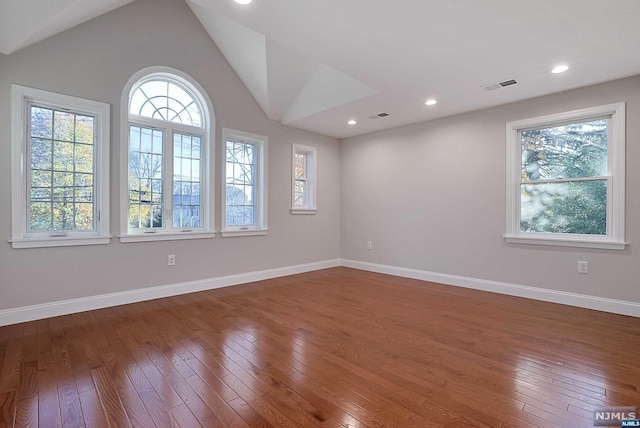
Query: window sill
[303, 211]
[567, 242]
[151, 237]
[247, 232]
[62, 241]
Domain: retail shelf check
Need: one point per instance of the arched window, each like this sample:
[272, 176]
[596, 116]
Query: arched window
[168, 155]
[167, 101]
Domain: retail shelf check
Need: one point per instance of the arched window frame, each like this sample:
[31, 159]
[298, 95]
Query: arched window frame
[207, 135]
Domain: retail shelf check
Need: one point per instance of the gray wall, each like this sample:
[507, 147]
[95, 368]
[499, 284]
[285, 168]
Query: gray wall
[95, 60]
[431, 196]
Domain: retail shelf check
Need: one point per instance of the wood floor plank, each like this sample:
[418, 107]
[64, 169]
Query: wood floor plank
[183, 417]
[331, 348]
[8, 405]
[249, 414]
[109, 399]
[27, 412]
[92, 410]
[70, 408]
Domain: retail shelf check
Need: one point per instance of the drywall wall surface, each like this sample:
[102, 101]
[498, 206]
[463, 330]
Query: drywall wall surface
[95, 60]
[431, 196]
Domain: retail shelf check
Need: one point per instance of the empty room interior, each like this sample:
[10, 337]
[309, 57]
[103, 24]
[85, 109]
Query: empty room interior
[286, 213]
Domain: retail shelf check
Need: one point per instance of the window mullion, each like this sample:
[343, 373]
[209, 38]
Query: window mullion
[565, 180]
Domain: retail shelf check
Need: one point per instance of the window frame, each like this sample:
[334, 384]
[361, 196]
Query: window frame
[310, 178]
[21, 98]
[615, 237]
[207, 134]
[260, 207]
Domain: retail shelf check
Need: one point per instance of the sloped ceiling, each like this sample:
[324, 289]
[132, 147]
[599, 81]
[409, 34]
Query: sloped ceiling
[25, 22]
[314, 64]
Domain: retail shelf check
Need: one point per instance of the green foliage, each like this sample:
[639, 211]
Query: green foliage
[574, 151]
[61, 162]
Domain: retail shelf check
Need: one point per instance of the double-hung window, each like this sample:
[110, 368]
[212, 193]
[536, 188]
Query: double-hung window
[60, 170]
[245, 194]
[565, 179]
[168, 193]
[303, 177]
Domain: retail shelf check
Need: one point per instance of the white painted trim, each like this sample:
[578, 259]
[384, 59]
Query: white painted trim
[58, 242]
[300, 211]
[615, 238]
[572, 299]
[208, 131]
[152, 237]
[243, 232]
[21, 237]
[550, 240]
[311, 174]
[262, 144]
[46, 310]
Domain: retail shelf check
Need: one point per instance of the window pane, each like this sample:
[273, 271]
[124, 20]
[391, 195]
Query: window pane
[40, 153]
[240, 183]
[84, 129]
[146, 164]
[64, 126]
[568, 207]
[145, 140]
[84, 216]
[187, 182]
[61, 171]
[300, 199]
[63, 216]
[41, 122]
[568, 151]
[84, 158]
[300, 165]
[41, 178]
[40, 220]
[63, 156]
[40, 194]
[165, 101]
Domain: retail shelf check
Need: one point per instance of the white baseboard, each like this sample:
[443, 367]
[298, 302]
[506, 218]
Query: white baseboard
[46, 310]
[572, 299]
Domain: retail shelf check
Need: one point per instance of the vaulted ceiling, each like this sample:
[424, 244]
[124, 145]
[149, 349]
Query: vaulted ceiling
[315, 64]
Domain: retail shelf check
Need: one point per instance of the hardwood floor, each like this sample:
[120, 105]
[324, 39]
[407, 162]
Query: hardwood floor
[333, 348]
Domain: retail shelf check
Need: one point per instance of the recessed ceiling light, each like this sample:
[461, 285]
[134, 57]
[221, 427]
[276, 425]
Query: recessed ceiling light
[243, 1]
[352, 122]
[560, 69]
[431, 102]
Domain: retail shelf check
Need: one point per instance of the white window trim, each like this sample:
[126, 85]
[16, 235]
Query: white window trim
[20, 96]
[260, 228]
[615, 239]
[311, 196]
[208, 187]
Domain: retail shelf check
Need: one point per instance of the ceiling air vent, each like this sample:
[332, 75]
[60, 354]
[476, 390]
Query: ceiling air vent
[499, 85]
[379, 115]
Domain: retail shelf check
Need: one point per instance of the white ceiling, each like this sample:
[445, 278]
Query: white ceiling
[314, 64]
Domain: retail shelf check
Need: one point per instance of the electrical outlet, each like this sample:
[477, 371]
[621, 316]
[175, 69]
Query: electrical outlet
[369, 245]
[583, 267]
[171, 259]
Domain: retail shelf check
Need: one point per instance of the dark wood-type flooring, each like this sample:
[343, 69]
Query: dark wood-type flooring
[333, 348]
